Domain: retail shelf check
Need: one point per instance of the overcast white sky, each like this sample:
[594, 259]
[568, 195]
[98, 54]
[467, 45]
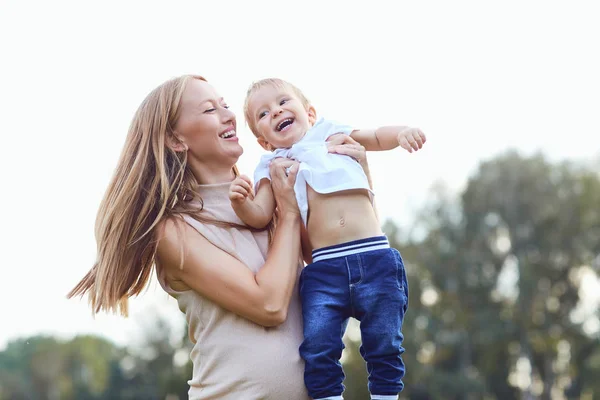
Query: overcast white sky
[477, 77]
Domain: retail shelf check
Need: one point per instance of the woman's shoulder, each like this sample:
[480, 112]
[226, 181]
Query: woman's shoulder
[169, 230]
[182, 244]
[174, 234]
[170, 242]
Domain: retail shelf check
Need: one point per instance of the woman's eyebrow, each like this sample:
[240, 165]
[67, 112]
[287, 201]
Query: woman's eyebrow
[219, 100]
[204, 101]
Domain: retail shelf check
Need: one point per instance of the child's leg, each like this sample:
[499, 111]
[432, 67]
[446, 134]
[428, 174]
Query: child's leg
[380, 302]
[325, 298]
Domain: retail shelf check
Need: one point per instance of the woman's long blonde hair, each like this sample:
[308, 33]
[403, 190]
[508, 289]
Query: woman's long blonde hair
[151, 182]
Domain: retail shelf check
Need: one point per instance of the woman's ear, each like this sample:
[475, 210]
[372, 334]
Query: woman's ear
[312, 114]
[176, 144]
[264, 144]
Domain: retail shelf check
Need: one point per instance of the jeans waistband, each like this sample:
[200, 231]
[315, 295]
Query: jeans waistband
[348, 248]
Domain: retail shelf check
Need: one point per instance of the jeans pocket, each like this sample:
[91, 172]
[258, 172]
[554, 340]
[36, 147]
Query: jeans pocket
[401, 277]
[400, 273]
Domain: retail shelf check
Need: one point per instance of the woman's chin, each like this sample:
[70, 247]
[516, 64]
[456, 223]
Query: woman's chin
[235, 151]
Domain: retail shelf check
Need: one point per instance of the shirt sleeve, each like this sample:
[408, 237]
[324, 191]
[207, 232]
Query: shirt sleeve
[335, 127]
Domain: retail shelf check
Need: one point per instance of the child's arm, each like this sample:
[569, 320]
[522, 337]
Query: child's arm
[390, 137]
[256, 212]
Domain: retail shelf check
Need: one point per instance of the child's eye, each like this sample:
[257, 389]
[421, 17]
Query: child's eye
[225, 106]
[282, 102]
[262, 114]
[209, 110]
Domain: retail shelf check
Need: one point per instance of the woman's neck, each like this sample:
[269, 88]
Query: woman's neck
[211, 174]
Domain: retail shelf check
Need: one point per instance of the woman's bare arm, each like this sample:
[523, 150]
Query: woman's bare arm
[306, 246]
[262, 297]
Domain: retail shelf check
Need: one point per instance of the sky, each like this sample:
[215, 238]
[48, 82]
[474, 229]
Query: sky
[477, 77]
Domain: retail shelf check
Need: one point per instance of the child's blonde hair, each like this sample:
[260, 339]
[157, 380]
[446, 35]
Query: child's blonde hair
[269, 82]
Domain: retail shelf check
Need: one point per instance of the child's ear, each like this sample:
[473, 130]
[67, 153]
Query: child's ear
[312, 115]
[264, 144]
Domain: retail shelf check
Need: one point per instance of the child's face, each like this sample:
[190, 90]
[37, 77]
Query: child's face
[279, 116]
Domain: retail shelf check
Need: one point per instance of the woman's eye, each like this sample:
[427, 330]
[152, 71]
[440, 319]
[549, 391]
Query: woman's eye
[226, 106]
[210, 110]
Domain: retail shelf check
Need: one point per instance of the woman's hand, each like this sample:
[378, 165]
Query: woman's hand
[283, 177]
[344, 144]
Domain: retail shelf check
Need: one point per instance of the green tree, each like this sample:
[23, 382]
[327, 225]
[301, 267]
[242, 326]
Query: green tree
[93, 368]
[42, 367]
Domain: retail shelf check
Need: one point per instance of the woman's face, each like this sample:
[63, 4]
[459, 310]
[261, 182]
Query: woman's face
[206, 125]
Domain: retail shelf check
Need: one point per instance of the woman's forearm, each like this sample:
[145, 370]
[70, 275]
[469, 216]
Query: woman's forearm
[277, 278]
[365, 166]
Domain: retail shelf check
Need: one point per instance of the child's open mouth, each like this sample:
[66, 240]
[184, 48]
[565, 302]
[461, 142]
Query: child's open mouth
[285, 124]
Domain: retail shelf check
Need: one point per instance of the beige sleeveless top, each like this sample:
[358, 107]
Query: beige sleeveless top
[234, 358]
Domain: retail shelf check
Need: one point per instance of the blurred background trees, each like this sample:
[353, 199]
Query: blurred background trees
[89, 368]
[504, 291]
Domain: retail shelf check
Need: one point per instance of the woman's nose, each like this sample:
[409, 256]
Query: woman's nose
[228, 115]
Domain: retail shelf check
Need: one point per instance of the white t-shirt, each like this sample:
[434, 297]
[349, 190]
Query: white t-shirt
[323, 171]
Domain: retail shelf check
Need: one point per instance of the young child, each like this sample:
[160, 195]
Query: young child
[353, 271]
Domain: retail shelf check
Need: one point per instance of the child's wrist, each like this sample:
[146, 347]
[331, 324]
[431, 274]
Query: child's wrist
[239, 204]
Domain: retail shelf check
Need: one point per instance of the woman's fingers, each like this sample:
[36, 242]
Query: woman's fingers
[283, 177]
[338, 139]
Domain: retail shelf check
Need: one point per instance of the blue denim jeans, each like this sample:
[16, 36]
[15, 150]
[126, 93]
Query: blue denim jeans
[364, 279]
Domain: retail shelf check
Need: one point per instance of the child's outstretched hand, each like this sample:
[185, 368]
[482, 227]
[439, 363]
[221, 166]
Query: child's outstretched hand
[240, 189]
[411, 139]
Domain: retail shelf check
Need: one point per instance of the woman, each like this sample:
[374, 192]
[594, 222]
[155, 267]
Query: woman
[168, 205]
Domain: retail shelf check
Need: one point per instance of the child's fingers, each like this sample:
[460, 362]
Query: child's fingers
[235, 196]
[413, 142]
[405, 145]
[239, 182]
[240, 190]
[417, 140]
[245, 184]
[246, 179]
[235, 193]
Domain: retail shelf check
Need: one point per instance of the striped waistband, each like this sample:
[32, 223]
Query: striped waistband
[348, 248]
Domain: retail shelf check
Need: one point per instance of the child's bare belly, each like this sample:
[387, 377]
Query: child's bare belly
[340, 217]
